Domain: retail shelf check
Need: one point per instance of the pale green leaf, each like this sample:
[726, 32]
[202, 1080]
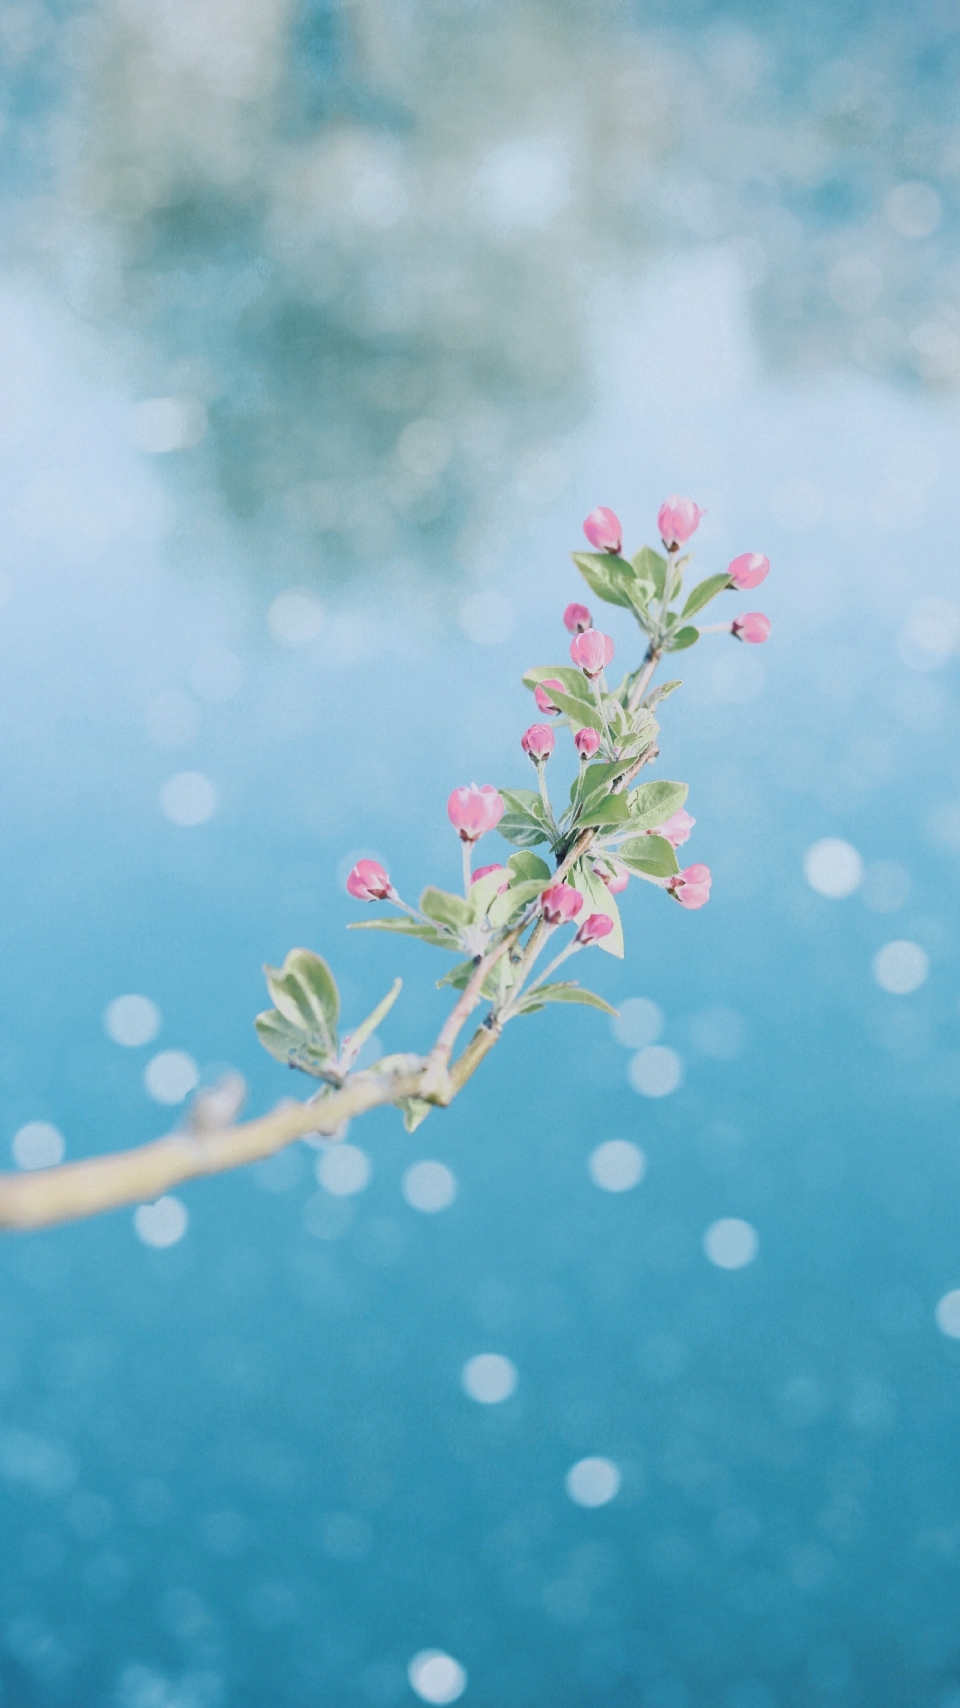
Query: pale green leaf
[517, 897]
[426, 932]
[571, 680]
[683, 638]
[452, 911]
[597, 899]
[525, 867]
[291, 1044]
[569, 992]
[650, 566]
[705, 591]
[610, 810]
[653, 803]
[367, 1027]
[305, 992]
[415, 1110]
[607, 576]
[651, 855]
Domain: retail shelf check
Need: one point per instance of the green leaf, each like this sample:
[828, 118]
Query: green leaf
[597, 899]
[483, 890]
[524, 822]
[415, 1110]
[409, 928]
[291, 1045]
[703, 593]
[369, 1026]
[525, 867]
[651, 855]
[653, 803]
[682, 639]
[609, 809]
[582, 714]
[598, 778]
[650, 566]
[537, 999]
[609, 577]
[460, 975]
[660, 692]
[446, 909]
[305, 992]
[571, 680]
[515, 899]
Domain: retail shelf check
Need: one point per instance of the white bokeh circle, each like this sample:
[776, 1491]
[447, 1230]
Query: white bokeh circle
[617, 1165]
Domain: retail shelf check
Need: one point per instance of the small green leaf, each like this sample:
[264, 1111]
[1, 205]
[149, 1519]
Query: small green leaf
[660, 692]
[446, 909]
[409, 928]
[598, 778]
[572, 681]
[525, 867]
[609, 809]
[597, 899]
[651, 855]
[524, 823]
[367, 1027]
[460, 975]
[483, 890]
[536, 1000]
[515, 899]
[291, 1045]
[653, 803]
[703, 593]
[581, 713]
[649, 566]
[415, 1110]
[608, 577]
[305, 992]
[683, 638]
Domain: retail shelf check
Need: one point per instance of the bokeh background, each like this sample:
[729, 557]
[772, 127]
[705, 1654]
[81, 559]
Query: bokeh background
[323, 325]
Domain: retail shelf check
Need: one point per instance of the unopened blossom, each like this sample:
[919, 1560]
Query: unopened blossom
[484, 872]
[598, 925]
[691, 887]
[676, 830]
[576, 618]
[748, 570]
[751, 626]
[542, 697]
[614, 874]
[560, 903]
[677, 520]
[586, 742]
[603, 530]
[369, 882]
[538, 742]
[592, 651]
[473, 811]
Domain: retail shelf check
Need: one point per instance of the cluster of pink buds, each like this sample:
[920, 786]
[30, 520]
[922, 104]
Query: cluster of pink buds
[474, 810]
[538, 743]
[369, 882]
[591, 651]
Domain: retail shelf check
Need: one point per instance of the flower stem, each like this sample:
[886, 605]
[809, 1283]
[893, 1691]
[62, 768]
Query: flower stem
[467, 850]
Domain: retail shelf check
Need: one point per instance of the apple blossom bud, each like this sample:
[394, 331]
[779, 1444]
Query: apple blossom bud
[748, 570]
[677, 520]
[614, 874]
[691, 887]
[484, 872]
[576, 618]
[598, 925]
[544, 702]
[603, 530]
[591, 651]
[560, 903]
[538, 743]
[586, 742]
[473, 810]
[752, 626]
[369, 882]
[676, 830]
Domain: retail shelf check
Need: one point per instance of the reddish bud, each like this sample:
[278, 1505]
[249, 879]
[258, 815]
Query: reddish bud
[748, 570]
[603, 530]
[592, 651]
[678, 519]
[691, 888]
[560, 903]
[542, 697]
[473, 811]
[586, 742]
[614, 874]
[752, 626]
[538, 742]
[598, 925]
[576, 618]
[369, 882]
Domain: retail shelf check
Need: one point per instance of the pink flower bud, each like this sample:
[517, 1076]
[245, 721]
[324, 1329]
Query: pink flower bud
[752, 626]
[472, 811]
[586, 742]
[576, 618]
[484, 872]
[538, 742]
[603, 530]
[598, 925]
[369, 882]
[676, 830]
[677, 520]
[748, 570]
[560, 903]
[614, 874]
[592, 651]
[691, 888]
[544, 702]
